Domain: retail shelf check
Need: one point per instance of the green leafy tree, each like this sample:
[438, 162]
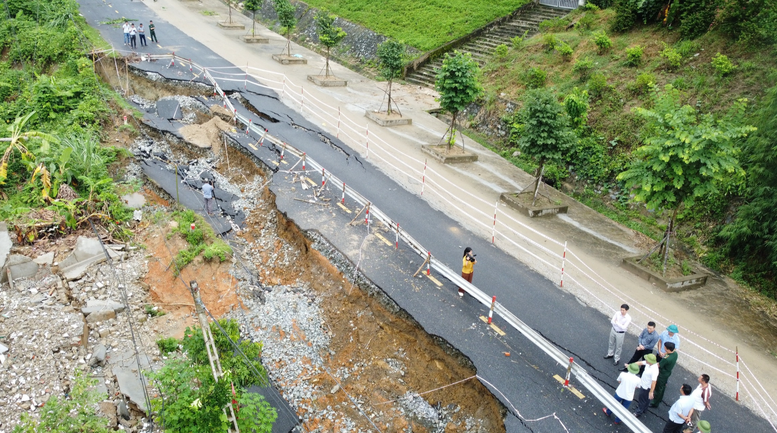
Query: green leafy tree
[76, 413]
[541, 130]
[252, 6]
[685, 155]
[18, 141]
[391, 56]
[328, 34]
[752, 236]
[458, 82]
[286, 15]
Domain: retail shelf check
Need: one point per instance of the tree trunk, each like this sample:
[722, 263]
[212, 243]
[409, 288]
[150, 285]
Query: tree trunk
[326, 72]
[452, 137]
[538, 181]
[669, 230]
[253, 23]
[389, 96]
[288, 42]
[229, 5]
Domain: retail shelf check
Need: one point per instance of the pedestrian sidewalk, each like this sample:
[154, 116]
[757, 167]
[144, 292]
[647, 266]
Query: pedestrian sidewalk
[716, 318]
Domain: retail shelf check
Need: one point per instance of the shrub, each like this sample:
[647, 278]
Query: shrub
[550, 41]
[557, 24]
[535, 78]
[576, 106]
[672, 56]
[722, 65]
[696, 17]
[517, 41]
[565, 50]
[167, 345]
[643, 83]
[634, 56]
[597, 84]
[602, 4]
[591, 7]
[500, 51]
[585, 23]
[626, 16]
[687, 48]
[583, 68]
[602, 41]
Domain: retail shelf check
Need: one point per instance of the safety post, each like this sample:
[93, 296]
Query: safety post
[190, 66]
[235, 117]
[367, 139]
[248, 127]
[342, 200]
[304, 157]
[563, 262]
[493, 229]
[396, 243]
[737, 352]
[323, 176]
[172, 60]
[491, 311]
[283, 150]
[428, 262]
[125, 120]
[367, 216]
[192, 227]
[338, 122]
[569, 372]
[302, 104]
[423, 178]
[261, 141]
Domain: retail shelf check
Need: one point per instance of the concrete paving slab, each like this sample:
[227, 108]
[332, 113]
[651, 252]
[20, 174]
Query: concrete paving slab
[131, 386]
[93, 306]
[18, 266]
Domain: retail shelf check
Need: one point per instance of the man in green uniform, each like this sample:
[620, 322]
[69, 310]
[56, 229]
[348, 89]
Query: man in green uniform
[664, 371]
[152, 32]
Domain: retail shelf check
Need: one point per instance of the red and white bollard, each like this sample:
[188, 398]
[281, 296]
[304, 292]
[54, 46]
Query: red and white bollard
[737, 352]
[563, 262]
[428, 263]
[235, 117]
[248, 127]
[192, 227]
[491, 311]
[493, 229]
[323, 176]
[172, 60]
[190, 66]
[342, 200]
[423, 178]
[125, 120]
[396, 243]
[304, 157]
[283, 150]
[367, 217]
[569, 372]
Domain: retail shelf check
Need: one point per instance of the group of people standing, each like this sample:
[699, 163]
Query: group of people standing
[131, 33]
[648, 371]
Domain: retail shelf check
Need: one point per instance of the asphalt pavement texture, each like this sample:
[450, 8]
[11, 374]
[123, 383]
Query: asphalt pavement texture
[525, 380]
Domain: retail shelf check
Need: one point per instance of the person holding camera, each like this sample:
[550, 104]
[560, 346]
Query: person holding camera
[467, 267]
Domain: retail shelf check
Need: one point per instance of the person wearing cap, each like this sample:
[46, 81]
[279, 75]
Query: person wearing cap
[624, 394]
[701, 398]
[647, 385]
[620, 324]
[665, 367]
[669, 335]
[704, 426]
[679, 413]
[645, 343]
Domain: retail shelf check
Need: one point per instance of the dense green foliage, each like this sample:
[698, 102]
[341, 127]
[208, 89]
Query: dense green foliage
[252, 6]
[458, 82]
[288, 19]
[76, 412]
[201, 240]
[391, 60]
[423, 25]
[191, 400]
[329, 35]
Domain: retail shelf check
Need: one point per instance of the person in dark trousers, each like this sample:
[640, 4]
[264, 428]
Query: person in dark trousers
[207, 194]
[647, 384]
[152, 32]
[467, 267]
[645, 343]
[679, 413]
[665, 367]
[133, 36]
[142, 34]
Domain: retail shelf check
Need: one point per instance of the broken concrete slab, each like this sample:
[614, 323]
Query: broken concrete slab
[98, 355]
[88, 251]
[5, 243]
[93, 306]
[45, 259]
[135, 200]
[100, 316]
[121, 408]
[18, 266]
[169, 108]
[130, 386]
[3, 348]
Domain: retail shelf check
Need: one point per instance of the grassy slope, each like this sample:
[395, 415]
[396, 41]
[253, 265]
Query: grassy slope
[423, 24]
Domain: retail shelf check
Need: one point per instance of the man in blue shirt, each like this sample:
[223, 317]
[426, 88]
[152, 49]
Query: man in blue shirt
[645, 343]
[207, 194]
[669, 335]
[679, 413]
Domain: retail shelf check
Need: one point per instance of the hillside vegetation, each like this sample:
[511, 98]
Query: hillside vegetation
[421, 24]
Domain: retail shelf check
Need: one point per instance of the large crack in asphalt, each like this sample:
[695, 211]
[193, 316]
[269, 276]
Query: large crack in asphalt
[328, 141]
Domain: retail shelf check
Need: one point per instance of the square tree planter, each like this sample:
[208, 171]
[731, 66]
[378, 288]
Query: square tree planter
[440, 152]
[289, 60]
[255, 39]
[384, 119]
[522, 203]
[667, 284]
[232, 26]
[327, 81]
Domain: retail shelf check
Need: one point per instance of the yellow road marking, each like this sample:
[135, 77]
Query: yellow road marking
[434, 280]
[570, 387]
[386, 241]
[343, 207]
[252, 146]
[494, 327]
[283, 161]
[274, 162]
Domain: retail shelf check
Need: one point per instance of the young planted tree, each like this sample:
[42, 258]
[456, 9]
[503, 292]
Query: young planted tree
[458, 82]
[229, 5]
[391, 55]
[541, 130]
[252, 6]
[328, 34]
[285, 11]
[685, 155]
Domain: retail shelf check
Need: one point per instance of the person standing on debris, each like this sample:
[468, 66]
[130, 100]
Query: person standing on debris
[620, 324]
[126, 28]
[142, 33]
[467, 267]
[648, 384]
[151, 31]
[665, 367]
[670, 335]
[645, 343]
[624, 394]
[132, 34]
[701, 398]
[207, 194]
[679, 413]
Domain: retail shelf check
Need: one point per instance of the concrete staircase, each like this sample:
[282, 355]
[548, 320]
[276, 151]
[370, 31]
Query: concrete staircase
[482, 47]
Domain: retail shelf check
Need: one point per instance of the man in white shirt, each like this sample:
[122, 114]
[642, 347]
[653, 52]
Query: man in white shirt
[126, 28]
[624, 394]
[647, 384]
[701, 398]
[620, 324]
[679, 413]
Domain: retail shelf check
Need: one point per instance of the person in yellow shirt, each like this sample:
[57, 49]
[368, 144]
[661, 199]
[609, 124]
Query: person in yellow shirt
[467, 266]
